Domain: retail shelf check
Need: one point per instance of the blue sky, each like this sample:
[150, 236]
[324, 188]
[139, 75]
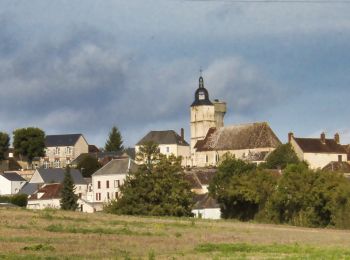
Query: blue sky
[83, 66]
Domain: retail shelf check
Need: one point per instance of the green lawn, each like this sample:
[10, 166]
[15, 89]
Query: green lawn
[48, 234]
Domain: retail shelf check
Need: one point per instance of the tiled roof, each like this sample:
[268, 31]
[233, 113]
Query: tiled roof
[61, 140]
[163, 137]
[29, 188]
[239, 137]
[50, 191]
[315, 145]
[117, 166]
[12, 176]
[192, 180]
[204, 175]
[204, 201]
[57, 175]
[342, 167]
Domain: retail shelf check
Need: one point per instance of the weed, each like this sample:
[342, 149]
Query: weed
[39, 247]
[151, 255]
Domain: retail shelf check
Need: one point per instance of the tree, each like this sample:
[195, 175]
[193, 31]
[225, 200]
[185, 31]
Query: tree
[148, 154]
[241, 189]
[68, 197]
[88, 165]
[281, 157]
[4, 145]
[29, 142]
[114, 142]
[158, 191]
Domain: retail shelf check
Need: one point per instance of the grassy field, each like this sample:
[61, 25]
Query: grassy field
[50, 234]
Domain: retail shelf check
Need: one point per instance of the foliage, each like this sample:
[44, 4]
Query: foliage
[281, 157]
[311, 198]
[68, 197]
[158, 191]
[148, 154]
[114, 142]
[88, 165]
[241, 189]
[4, 145]
[20, 200]
[29, 142]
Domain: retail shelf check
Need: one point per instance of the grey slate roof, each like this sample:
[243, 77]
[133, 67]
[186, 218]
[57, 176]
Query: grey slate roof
[29, 188]
[61, 140]
[57, 175]
[163, 137]
[13, 176]
[239, 137]
[117, 166]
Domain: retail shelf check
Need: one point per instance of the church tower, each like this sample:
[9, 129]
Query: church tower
[204, 114]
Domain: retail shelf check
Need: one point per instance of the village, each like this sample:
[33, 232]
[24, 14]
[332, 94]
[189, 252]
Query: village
[210, 140]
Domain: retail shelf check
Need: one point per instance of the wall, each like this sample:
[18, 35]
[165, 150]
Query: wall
[16, 186]
[320, 160]
[5, 186]
[207, 213]
[103, 190]
[42, 204]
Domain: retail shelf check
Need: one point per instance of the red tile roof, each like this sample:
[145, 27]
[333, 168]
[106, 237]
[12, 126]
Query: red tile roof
[51, 191]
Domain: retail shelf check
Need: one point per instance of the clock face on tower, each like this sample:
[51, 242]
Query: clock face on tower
[201, 95]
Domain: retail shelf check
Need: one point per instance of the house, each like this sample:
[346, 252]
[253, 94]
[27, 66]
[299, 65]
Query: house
[107, 180]
[61, 150]
[11, 183]
[250, 142]
[338, 167]
[200, 178]
[49, 196]
[206, 207]
[318, 152]
[169, 142]
[43, 176]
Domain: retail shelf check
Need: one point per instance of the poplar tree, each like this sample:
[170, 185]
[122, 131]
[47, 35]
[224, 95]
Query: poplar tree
[4, 145]
[114, 142]
[68, 197]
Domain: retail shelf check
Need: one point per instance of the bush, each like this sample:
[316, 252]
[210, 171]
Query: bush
[20, 200]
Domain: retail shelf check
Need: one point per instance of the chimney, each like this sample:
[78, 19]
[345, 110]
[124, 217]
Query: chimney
[337, 138]
[182, 134]
[323, 138]
[290, 136]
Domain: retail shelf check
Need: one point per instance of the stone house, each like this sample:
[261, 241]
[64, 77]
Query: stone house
[61, 150]
[318, 152]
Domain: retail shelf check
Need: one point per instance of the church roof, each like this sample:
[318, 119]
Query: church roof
[239, 137]
[163, 137]
[201, 96]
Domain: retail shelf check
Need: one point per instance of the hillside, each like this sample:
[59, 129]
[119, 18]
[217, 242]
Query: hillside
[58, 234]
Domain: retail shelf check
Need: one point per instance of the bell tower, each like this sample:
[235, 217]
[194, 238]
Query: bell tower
[202, 114]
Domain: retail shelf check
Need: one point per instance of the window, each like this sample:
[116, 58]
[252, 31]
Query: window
[47, 152]
[206, 158]
[46, 164]
[67, 161]
[116, 184]
[57, 151]
[116, 195]
[57, 163]
[340, 158]
[201, 95]
[68, 150]
[98, 185]
[108, 195]
[217, 157]
[98, 196]
[107, 185]
[167, 149]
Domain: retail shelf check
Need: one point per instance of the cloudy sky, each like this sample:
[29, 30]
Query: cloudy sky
[83, 66]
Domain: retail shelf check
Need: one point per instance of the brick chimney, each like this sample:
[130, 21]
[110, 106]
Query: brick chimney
[337, 138]
[323, 138]
[182, 134]
[290, 136]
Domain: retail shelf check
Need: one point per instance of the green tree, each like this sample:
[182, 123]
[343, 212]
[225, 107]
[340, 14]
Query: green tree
[159, 191]
[148, 154]
[88, 165]
[29, 142]
[68, 197]
[281, 157]
[4, 145]
[114, 142]
[310, 198]
[241, 189]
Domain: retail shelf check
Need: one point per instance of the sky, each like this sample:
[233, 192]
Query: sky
[82, 66]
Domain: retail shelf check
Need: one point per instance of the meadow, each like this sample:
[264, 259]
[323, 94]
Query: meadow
[51, 234]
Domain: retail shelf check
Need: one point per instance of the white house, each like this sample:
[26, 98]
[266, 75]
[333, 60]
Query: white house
[107, 180]
[61, 150]
[11, 183]
[318, 152]
[46, 176]
[169, 142]
[206, 207]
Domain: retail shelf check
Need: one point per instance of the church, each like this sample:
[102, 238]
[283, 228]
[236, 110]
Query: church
[211, 139]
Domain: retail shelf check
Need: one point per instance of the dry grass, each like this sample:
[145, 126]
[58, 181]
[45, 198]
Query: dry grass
[58, 234]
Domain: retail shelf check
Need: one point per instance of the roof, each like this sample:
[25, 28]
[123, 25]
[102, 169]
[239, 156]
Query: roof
[29, 188]
[315, 145]
[163, 137]
[239, 137]
[204, 201]
[201, 96]
[347, 149]
[57, 175]
[50, 191]
[12, 176]
[61, 140]
[105, 156]
[117, 166]
[93, 148]
[342, 167]
[204, 175]
[192, 180]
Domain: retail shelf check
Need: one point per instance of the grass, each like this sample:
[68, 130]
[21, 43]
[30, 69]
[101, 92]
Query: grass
[52, 234]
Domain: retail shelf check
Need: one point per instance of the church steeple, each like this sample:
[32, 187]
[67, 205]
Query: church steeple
[201, 96]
